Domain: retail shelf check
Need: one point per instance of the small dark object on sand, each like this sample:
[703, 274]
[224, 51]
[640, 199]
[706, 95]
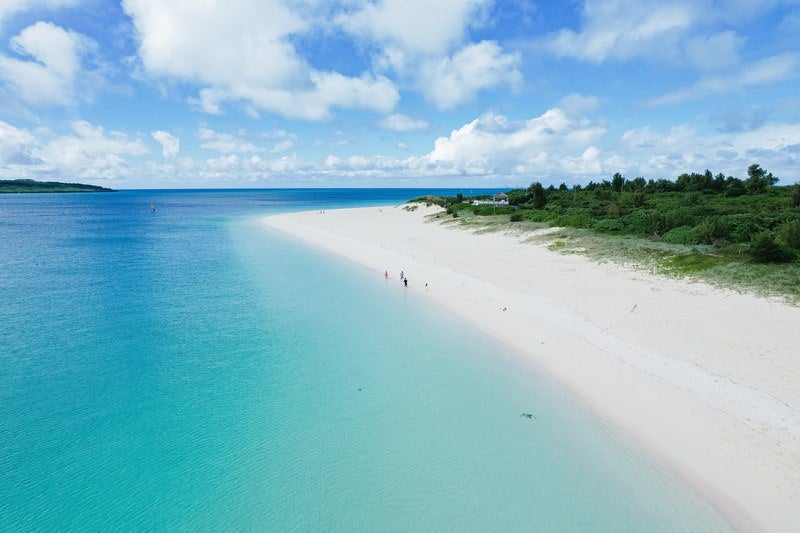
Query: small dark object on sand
[528, 416]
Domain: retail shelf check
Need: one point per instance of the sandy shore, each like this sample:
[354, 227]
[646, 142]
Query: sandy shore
[705, 378]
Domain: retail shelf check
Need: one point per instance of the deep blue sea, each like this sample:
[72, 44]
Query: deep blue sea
[190, 369]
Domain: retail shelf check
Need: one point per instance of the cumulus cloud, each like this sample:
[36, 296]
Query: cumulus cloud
[557, 145]
[454, 80]
[623, 29]
[492, 144]
[240, 52]
[679, 32]
[16, 146]
[170, 145]
[682, 148]
[424, 43]
[90, 151]
[551, 147]
[402, 123]
[51, 64]
[693, 33]
[416, 26]
[85, 151]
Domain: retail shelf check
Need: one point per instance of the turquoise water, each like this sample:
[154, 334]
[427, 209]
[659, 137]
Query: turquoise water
[190, 369]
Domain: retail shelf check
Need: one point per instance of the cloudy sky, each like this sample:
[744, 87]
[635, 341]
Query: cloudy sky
[273, 93]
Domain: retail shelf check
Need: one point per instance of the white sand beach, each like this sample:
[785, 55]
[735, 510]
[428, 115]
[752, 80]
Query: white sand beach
[706, 379]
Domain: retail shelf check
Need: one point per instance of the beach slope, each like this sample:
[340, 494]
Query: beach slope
[706, 379]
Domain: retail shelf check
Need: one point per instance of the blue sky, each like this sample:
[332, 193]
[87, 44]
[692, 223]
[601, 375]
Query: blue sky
[394, 93]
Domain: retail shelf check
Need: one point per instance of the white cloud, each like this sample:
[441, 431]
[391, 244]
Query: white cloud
[454, 80]
[227, 143]
[50, 75]
[577, 104]
[85, 152]
[170, 145]
[245, 142]
[492, 144]
[716, 52]
[240, 52]
[682, 148]
[90, 152]
[282, 146]
[624, 29]
[416, 26]
[770, 70]
[402, 123]
[697, 32]
[16, 146]
[424, 43]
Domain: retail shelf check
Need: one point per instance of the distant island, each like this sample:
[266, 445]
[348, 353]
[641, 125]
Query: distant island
[25, 185]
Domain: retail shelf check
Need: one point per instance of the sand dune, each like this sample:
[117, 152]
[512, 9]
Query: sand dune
[707, 379]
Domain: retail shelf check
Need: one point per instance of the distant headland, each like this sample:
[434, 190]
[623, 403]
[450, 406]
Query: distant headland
[25, 185]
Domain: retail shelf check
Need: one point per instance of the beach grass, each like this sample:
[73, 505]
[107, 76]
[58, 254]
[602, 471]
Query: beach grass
[732, 269]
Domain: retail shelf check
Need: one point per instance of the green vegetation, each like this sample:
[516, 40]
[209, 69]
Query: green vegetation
[18, 186]
[722, 229]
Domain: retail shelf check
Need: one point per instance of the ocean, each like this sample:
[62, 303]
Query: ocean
[191, 369]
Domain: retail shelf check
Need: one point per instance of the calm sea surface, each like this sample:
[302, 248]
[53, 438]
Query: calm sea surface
[189, 369]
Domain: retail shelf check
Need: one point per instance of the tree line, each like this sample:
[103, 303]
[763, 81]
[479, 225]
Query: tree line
[724, 213]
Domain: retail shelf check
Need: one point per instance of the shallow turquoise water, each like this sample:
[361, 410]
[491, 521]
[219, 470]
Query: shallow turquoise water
[190, 369]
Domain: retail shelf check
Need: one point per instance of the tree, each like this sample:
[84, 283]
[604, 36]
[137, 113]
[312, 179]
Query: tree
[719, 182]
[538, 195]
[636, 185]
[734, 187]
[758, 179]
[617, 182]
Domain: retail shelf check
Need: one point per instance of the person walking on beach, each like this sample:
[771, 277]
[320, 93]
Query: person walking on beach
[402, 274]
[385, 274]
[405, 282]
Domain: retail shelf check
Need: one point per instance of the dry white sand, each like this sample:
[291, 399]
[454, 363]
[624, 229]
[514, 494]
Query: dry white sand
[707, 379]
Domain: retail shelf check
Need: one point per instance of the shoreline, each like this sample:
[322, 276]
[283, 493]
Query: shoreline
[703, 378]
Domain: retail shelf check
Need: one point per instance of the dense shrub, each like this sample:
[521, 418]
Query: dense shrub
[631, 199]
[741, 227]
[789, 234]
[707, 231]
[488, 210]
[794, 199]
[699, 208]
[641, 222]
[609, 225]
[681, 235]
[573, 221]
[536, 215]
[764, 249]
